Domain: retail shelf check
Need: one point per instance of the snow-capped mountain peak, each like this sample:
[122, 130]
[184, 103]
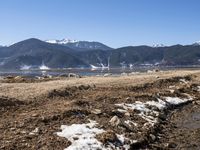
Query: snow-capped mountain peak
[80, 45]
[4, 45]
[196, 43]
[158, 45]
[63, 41]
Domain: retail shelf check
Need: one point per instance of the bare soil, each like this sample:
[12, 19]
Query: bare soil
[48, 104]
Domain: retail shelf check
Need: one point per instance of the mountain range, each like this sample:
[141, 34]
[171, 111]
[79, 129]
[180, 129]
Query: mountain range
[37, 54]
[197, 43]
[80, 45]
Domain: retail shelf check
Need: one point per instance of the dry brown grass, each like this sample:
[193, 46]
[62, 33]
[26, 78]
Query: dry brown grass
[27, 91]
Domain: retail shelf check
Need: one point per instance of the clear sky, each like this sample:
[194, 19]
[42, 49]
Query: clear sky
[114, 22]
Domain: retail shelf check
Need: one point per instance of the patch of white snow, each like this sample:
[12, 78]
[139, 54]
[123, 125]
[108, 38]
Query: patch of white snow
[82, 136]
[25, 67]
[44, 67]
[176, 100]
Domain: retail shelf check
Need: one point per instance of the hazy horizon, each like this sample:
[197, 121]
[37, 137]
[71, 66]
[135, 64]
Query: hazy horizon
[156, 44]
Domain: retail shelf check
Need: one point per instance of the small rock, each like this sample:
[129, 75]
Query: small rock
[107, 74]
[115, 121]
[128, 126]
[18, 78]
[128, 98]
[136, 111]
[73, 75]
[153, 137]
[171, 91]
[172, 145]
[12, 129]
[162, 116]
[197, 102]
[9, 77]
[35, 115]
[23, 132]
[96, 111]
[149, 71]
[124, 74]
[127, 114]
[172, 86]
[47, 76]
[156, 70]
[183, 81]
[39, 78]
[35, 131]
[133, 73]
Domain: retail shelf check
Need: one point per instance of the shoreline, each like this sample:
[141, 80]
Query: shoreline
[93, 72]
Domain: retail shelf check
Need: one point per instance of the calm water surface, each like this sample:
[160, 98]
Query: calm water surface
[85, 72]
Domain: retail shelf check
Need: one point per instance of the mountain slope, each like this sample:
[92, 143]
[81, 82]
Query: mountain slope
[85, 45]
[63, 41]
[98, 58]
[196, 43]
[33, 52]
[182, 55]
[80, 45]
[173, 55]
[135, 55]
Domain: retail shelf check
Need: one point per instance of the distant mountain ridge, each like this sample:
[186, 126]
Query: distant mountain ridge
[37, 54]
[158, 45]
[63, 41]
[197, 43]
[80, 45]
[2, 46]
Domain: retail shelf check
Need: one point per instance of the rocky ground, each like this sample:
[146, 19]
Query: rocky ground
[139, 111]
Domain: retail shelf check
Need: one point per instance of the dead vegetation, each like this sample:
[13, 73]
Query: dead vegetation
[35, 119]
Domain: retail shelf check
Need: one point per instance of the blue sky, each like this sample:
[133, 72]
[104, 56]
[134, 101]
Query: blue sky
[116, 23]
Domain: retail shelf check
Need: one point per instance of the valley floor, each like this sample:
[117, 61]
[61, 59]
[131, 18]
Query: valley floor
[158, 110]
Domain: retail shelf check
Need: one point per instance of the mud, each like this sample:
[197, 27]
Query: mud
[32, 123]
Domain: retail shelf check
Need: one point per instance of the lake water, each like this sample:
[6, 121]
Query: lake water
[85, 72]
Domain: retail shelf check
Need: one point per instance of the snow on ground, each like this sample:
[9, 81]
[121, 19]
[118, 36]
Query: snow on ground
[63, 41]
[25, 67]
[130, 123]
[160, 104]
[183, 81]
[103, 67]
[147, 113]
[176, 100]
[94, 67]
[82, 136]
[44, 67]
